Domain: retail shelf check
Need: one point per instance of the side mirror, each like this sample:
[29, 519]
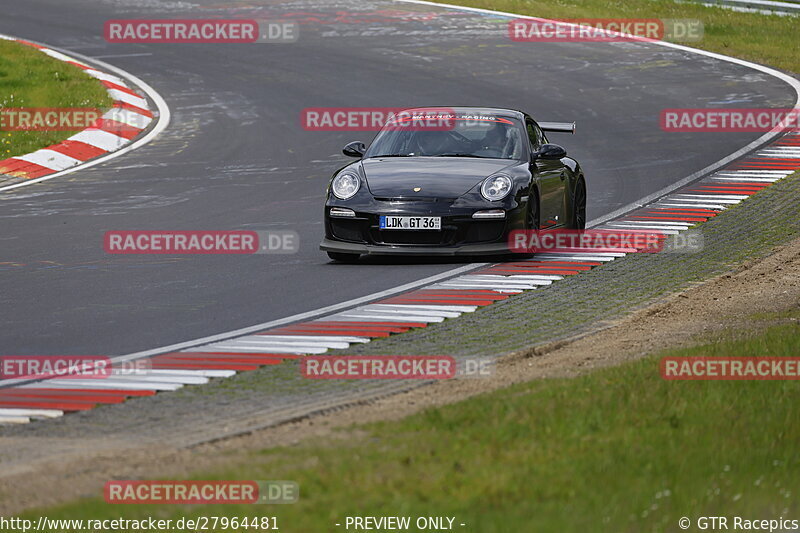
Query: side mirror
[355, 149]
[550, 151]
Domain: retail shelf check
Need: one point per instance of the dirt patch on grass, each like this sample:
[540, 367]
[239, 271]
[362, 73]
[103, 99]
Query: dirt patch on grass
[757, 294]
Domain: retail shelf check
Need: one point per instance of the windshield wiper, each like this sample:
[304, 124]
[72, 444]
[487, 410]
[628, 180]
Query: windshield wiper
[392, 155]
[462, 155]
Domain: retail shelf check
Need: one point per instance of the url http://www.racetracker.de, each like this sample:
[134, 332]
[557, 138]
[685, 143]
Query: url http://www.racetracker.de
[44, 524]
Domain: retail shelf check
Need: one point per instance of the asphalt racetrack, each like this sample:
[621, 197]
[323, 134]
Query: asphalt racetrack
[235, 155]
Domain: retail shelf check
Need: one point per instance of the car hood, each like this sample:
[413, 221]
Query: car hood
[441, 177]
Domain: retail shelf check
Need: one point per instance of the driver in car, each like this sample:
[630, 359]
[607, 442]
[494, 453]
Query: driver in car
[493, 142]
[433, 142]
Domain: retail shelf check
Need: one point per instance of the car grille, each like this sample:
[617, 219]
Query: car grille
[422, 238]
[484, 231]
[348, 230]
[415, 199]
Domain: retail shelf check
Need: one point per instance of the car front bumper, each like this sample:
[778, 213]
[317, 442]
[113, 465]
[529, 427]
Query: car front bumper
[330, 245]
[460, 233]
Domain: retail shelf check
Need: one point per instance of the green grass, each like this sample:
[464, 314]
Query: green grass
[29, 78]
[619, 449]
[791, 314]
[768, 39]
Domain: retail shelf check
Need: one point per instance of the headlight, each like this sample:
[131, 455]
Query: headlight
[496, 187]
[345, 185]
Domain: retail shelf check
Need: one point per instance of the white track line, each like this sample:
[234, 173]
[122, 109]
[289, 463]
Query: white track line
[293, 347]
[267, 340]
[501, 281]
[102, 139]
[646, 225]
[11, 419]
[754, 179]
[769, 174]
[676, 204]
[128, 98]
[512, 279]
[660, 229]
[61, 57]
[103, 76]
[715, 197]
[758, 171]
[107, 384]
[504, 290]
[318, 338]
[670, 225]
[525, 285]
[383, 317]
[147, 379]
[552, 256]
[22, 411]
[423, 307]
[154, 372]
[232, 347]
[696, 201]
[50, 159]
[409, 312]
[583, 257]
[178, 372]
[539, 277]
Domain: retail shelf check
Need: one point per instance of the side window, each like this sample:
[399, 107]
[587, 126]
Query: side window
[540, 134]
[533, 135]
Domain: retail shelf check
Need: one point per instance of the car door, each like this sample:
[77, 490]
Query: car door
[551, 174]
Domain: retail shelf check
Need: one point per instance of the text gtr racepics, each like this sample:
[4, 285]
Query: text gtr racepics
[452, 181]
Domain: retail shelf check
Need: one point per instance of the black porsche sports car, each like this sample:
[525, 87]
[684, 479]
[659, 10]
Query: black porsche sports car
[452, 182]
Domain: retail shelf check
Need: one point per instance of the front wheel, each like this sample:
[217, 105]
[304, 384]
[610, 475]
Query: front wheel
[579, 207]
[342, 257]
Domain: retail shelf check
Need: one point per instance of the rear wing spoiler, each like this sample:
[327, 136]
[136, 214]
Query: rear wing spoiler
[558, 127]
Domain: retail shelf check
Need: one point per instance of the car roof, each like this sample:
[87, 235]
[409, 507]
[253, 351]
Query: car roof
[498, 111]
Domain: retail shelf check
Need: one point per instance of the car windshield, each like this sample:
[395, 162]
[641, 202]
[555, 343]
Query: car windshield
[456, 135]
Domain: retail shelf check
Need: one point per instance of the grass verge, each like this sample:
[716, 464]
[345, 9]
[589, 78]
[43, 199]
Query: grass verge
[619, 449]
[766, 39]
[29, 78]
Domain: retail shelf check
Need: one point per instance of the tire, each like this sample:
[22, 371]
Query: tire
[342, 257]
[578, 220]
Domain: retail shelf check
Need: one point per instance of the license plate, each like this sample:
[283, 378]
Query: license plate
[391, 222]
